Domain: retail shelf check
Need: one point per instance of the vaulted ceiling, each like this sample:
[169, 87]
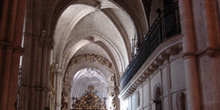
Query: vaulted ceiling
[97, 30]
[106, 28]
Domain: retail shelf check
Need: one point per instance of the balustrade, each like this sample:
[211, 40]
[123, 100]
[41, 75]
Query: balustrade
[166, 25]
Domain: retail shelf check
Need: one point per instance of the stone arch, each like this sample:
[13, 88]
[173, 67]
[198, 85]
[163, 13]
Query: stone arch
[181, 101]
[123, 56]
[94, 61]
[98, 62]
[119, 55]
[157, 97]
[117, 59]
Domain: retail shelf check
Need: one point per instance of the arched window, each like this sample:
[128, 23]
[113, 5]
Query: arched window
[181, 98]
[157, 100]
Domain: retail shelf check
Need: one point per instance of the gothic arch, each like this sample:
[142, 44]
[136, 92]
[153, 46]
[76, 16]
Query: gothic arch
[62, 5]
[93, 61]
[157, 97]
[124, 56]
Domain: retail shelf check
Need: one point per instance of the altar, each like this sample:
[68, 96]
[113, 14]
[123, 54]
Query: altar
[90, 101]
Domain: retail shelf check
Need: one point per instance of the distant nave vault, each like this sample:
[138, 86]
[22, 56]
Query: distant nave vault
[110, 55]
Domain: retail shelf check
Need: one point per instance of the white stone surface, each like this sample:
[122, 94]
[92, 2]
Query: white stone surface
[109, 25]
[177, 80]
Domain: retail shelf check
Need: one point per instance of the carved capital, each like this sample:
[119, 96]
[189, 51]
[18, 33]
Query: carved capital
[44, 40]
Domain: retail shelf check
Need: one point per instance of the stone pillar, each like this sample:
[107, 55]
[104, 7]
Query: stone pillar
[58, 90]
[35, 65]
[35, 72]
[211, 16]
[209, 59]
[11, 26]
[45, 71]
[189, 49]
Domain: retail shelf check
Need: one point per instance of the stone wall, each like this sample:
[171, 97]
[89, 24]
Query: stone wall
[170, 78]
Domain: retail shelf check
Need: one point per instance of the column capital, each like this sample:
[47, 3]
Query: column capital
[56, 70]
[45, 40]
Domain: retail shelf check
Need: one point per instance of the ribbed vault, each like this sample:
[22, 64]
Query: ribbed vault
[103, 24]
[93, 42]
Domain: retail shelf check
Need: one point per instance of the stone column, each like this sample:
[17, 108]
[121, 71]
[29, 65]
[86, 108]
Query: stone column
[211, 16]
[45, 73]
[209, 59]
[190, 64]
[35, 72]
[11, 26]
[35, 64]
[58, 90]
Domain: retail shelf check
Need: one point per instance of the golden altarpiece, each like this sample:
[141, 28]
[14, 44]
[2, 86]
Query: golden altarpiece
[90, 101]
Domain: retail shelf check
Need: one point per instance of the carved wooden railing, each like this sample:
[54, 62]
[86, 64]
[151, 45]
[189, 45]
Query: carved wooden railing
[166, 25]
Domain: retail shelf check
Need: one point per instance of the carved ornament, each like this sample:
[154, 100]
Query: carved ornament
[92, 59]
